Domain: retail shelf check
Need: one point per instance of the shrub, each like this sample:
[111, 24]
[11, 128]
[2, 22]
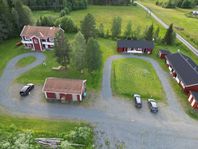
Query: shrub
[64, 12]
[81, 135]
[45, 21]
[67, 24]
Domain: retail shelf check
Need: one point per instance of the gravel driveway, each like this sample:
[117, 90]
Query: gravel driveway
[116, 120]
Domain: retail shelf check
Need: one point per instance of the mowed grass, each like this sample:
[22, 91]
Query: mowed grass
[38, 14]
[8, 50]
[131, 76]
[25, 61]
[40, 127]
[178, 18]
[38, 74]
[105, 15]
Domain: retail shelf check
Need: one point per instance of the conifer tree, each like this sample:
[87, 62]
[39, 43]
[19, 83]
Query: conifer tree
[88, 26]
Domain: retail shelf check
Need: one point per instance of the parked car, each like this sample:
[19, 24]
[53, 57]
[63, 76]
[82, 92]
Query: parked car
[152, 105]
[137, 100]
[25, 90]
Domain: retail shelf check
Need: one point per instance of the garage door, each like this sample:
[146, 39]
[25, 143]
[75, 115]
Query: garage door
[69, 97]
[51, 95]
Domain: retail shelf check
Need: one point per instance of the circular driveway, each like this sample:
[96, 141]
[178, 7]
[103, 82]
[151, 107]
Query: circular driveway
[116, 120]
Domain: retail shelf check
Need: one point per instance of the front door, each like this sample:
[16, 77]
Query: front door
[37, 44]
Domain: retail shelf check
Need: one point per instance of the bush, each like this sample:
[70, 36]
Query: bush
[64, 12]
[81, 135]
[67, 24]
[45, 21]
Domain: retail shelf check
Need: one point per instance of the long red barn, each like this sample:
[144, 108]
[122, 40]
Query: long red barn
[135, 46]
[185, 72]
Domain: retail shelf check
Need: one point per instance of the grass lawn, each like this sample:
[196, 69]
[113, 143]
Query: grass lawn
[8, 50]
[38, 14]
[40, 127]
[131, 76]
[105, 15]
[25, 61]
[38, 74]
[178, 18]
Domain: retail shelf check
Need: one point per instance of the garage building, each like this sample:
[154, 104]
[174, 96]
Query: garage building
[65, 90]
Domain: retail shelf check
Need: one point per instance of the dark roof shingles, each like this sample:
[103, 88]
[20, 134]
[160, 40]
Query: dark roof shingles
[184, 67]
[135, 44]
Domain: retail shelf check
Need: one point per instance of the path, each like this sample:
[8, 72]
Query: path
[117, 118]
[179, 37]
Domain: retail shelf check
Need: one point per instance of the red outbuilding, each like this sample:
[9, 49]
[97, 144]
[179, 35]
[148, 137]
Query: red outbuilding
[64, 90]
[135, 46]
[39, 38]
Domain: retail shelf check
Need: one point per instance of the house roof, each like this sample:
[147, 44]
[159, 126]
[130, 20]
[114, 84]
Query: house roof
[39, 31]
[70, 86]
[195, 95]
[135, 44]
[185, 68]
[165, 52]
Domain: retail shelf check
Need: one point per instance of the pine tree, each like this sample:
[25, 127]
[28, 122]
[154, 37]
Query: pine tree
[149, 33]
[79, 51]
[137, 33]
[24, 14]
[6, 21]
[128, 31]
[93, 55]
[116, 27]
[170, 36]
[62, 49]
[101, 30]
[88, 26]
[156, 34]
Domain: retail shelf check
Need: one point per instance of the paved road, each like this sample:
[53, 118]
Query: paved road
[115, 119]
[179, 37]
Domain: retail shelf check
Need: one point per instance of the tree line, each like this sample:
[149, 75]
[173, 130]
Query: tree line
[56, 4]
[177, 3]
[84, 52]
[13, 16]
[110, 2]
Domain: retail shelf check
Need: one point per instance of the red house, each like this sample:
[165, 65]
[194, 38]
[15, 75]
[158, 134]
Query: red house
[185, 72]
[64, 89]
[135, 46]
[39, 38]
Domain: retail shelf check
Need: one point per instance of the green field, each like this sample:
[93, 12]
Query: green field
[11, 126]
[178, 18]
[8, 50]
[38, 14]
[131, 76]
[25, 61]
[105, 15]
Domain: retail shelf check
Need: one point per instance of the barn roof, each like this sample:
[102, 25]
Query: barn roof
[195, 95]
[69, 86]
[135, 44]
[39, 31]
[184, 67]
